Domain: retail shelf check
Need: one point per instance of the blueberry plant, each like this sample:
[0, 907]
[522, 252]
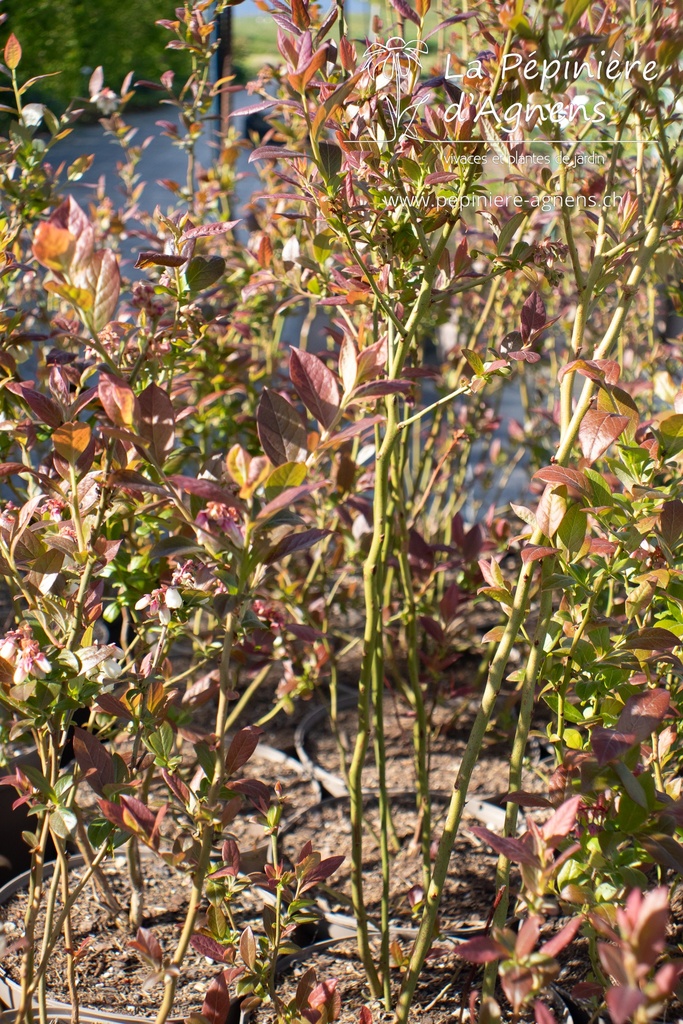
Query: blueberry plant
[291, 420]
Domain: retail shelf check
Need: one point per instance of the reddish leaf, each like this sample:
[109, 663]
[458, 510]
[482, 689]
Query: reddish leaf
[280, 430]
[44, 408]
[248, 948]
[365, 1016]
[323, 871]
[206, 946]
[622, 1002]
[158, 259]
[607, 370]
[533, 318]
[326, 995]
[610, 745]
[255, 791]
[560, 475]
[287, 498]
[671, 521]
[316, 386]
[562, 821]
[598, 431]
[104, 281]
[481, 950]
[296, 542]
[207, 489]
[643, 713]
[514, 849]
[653, 639]
[534, 552]
[405, 11]
[93, 759]
[12, 52]
[542, 1014]
[243, 745]
[205, 230]
[217, 1000]
[157, 421]
[565, 935]
[146, 943]
[118, 400]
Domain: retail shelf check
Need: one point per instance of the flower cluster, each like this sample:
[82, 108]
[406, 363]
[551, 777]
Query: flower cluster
[24, 654]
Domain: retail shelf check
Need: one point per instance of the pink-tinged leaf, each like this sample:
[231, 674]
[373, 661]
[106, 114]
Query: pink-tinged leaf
[296, 542]
[666, 978]
[248, 948]
[365, 1015]
[243, 745]
[643, 713]
[157, 421]
[562, 822]
[118, 401]
[561, 476]
[564, 937]
[206, 946]
[607, 370]
[149, 258]
[480, 950]
[68, 218]
[104, 281]
[542, 1014]
[648, 917]
[217, 1000]
[622, 1003]
[653, 639]
[598, 431]
[280, 430]
[326, 995]
[527, 936]
[514, 849]
[206, 230]
[534, 552]
[405, 11]
[533, 317]
[146, 943]
[94, 760]
[316, 386]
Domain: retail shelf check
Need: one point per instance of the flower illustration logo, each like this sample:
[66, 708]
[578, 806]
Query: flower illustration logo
[395, 66]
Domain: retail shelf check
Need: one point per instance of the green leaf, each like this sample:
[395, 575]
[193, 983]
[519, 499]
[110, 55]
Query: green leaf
[508, 230]
[203, 271]
[64, 822]
[671, 434]
[290, 474]
[330, 159]
[573, 9]
[572, 530]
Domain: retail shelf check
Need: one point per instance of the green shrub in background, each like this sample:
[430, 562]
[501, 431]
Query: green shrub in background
[73, 37]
